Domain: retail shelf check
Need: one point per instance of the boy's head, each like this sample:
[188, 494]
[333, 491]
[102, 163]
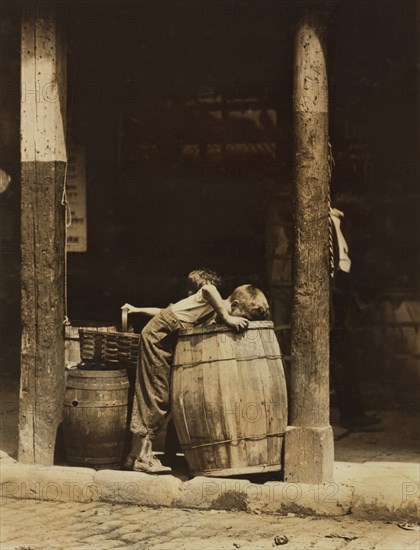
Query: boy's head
[249, 302]
[200, 277]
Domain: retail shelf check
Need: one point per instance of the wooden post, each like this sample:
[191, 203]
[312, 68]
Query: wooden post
[309, 443]
[43, 162]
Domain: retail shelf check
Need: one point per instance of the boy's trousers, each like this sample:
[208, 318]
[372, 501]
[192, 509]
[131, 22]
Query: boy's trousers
[152, 391]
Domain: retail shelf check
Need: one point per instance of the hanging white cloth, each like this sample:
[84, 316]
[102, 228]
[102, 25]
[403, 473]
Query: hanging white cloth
[344, 262]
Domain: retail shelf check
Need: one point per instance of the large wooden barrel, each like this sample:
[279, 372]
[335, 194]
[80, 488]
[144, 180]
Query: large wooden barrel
[229, 399]
[95, 417]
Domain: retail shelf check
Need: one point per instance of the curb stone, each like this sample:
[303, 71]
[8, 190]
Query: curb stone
[54, 483]
[67, 484]
[137, 488]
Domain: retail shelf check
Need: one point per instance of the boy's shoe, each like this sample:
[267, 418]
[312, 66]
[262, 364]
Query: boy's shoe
[150, 465]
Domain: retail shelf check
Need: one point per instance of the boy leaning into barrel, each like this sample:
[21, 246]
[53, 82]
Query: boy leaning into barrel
[157, 345]
[196, 279]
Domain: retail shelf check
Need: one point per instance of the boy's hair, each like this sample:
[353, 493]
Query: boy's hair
[200, 277]
[252, 301]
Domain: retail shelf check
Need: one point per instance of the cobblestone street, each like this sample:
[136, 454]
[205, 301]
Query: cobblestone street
[35, 525]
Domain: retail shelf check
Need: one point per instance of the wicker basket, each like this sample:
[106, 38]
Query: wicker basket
[110, 348]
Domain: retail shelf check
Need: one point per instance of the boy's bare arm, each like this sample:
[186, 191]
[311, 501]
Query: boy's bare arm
[151, 311]
[212, 296]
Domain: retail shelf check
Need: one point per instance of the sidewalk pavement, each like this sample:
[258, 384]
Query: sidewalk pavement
[103, 526]
[376, 477]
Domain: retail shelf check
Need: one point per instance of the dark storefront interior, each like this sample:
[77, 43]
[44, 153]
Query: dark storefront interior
[187, 132]
[188, 135]
[185, 113]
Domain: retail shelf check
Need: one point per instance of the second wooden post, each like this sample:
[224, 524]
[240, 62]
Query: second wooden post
[309, 443]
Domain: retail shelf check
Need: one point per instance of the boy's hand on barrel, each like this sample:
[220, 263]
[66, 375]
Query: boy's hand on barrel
[237, 323]
[224, 308]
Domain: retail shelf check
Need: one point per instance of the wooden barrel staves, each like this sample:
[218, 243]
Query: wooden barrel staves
[95, 417]
[229, 399]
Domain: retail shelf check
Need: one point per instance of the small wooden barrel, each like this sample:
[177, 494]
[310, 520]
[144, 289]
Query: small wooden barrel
[95, 417]
[229, 399]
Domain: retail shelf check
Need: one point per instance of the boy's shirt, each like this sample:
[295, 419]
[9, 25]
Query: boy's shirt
[191, 310]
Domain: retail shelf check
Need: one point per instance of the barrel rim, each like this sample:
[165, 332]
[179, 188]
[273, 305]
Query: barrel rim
[212, 329]
[86, 373]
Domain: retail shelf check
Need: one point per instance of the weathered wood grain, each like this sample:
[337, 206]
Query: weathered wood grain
[309, 449]
[43, 167]
[229, 399]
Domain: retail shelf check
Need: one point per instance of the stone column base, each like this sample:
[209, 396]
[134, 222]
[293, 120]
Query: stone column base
[309, 454]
